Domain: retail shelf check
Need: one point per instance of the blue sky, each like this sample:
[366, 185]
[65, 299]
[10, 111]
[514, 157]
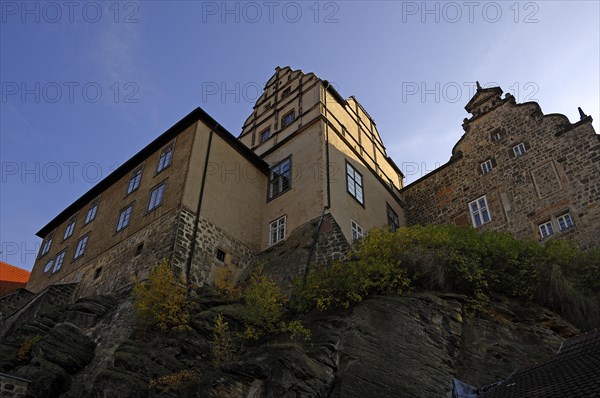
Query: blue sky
[85, 85]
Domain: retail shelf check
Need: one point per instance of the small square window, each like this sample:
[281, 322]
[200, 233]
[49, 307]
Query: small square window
[156, 197]
[487, 166]
[268, 106]
[91, 214]
[59, 261]
[134, 181]
[479, 212]
[546, 229]
[124, 217]
[496, 135]
[288, 118]
[164, 161]
[220, 255]
[357, 231]
[277, 230]
[81, 245]
[286, 92]
[519, 150]
[354, 183]
[265, 135]
[565, 222]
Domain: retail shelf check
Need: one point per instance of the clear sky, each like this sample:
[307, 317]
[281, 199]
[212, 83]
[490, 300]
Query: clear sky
[86, 84]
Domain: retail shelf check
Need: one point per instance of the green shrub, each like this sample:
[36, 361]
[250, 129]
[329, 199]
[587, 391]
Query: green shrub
[223, 347]
[162, 301]
[462, 260]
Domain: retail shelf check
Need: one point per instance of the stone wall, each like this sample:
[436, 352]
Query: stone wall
[288, 259]
[210, 238]
[130, 260]
[12, 386]
[12, 302]
[558, 174]
[51, 297]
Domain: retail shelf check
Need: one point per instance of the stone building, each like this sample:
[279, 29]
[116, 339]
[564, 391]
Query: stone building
[307, 162]
[517, 170]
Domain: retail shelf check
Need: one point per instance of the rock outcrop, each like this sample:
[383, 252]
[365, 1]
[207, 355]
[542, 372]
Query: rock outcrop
[410, 346]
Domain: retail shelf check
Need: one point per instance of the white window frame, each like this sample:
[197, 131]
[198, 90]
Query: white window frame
[357, 231]
[156, 197]
[60, 258]
[486, 166]
[565, 222]
[280, 178]
[480, 211]
[69, 230]
[134, 180]
[91, 214]
[46, 247]
[49, 265]
[124, 217]
[277, 230]
[165, 158]
[81, 246]
[519, 150]
[354, 181]
[546, 229]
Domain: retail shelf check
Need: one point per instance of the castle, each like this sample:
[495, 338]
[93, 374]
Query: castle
[308, 175]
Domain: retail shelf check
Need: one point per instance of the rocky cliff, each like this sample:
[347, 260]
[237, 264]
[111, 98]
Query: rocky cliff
[409, 346]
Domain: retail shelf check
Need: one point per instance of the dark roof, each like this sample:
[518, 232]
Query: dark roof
[197, 114]
[573, 373]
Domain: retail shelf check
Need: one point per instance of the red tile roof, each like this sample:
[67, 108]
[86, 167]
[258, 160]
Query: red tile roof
[10, 273]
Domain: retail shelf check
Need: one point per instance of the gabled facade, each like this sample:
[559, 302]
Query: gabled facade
[205, 200]
[516, 170]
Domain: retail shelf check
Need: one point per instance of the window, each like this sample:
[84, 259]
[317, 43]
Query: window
[81, 245]
[288, 118]
[496, 135]
[286, 92]
[479, 212]
[49, 265]
[156, 197]
[357, 231]
[124, 217]
[134, 180]
[166, 156]
[70, 228]
[519, 149]
[46, 247]
[487, 166]
[268, 106]
[354, 183]
[91, 214]
[393, 220]
[265, 135]
[277, 230]
[59, 261]
[97, 272]
[565, 222]
[280, 178]
[220, 255]
[546, 229]
[139, 249]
